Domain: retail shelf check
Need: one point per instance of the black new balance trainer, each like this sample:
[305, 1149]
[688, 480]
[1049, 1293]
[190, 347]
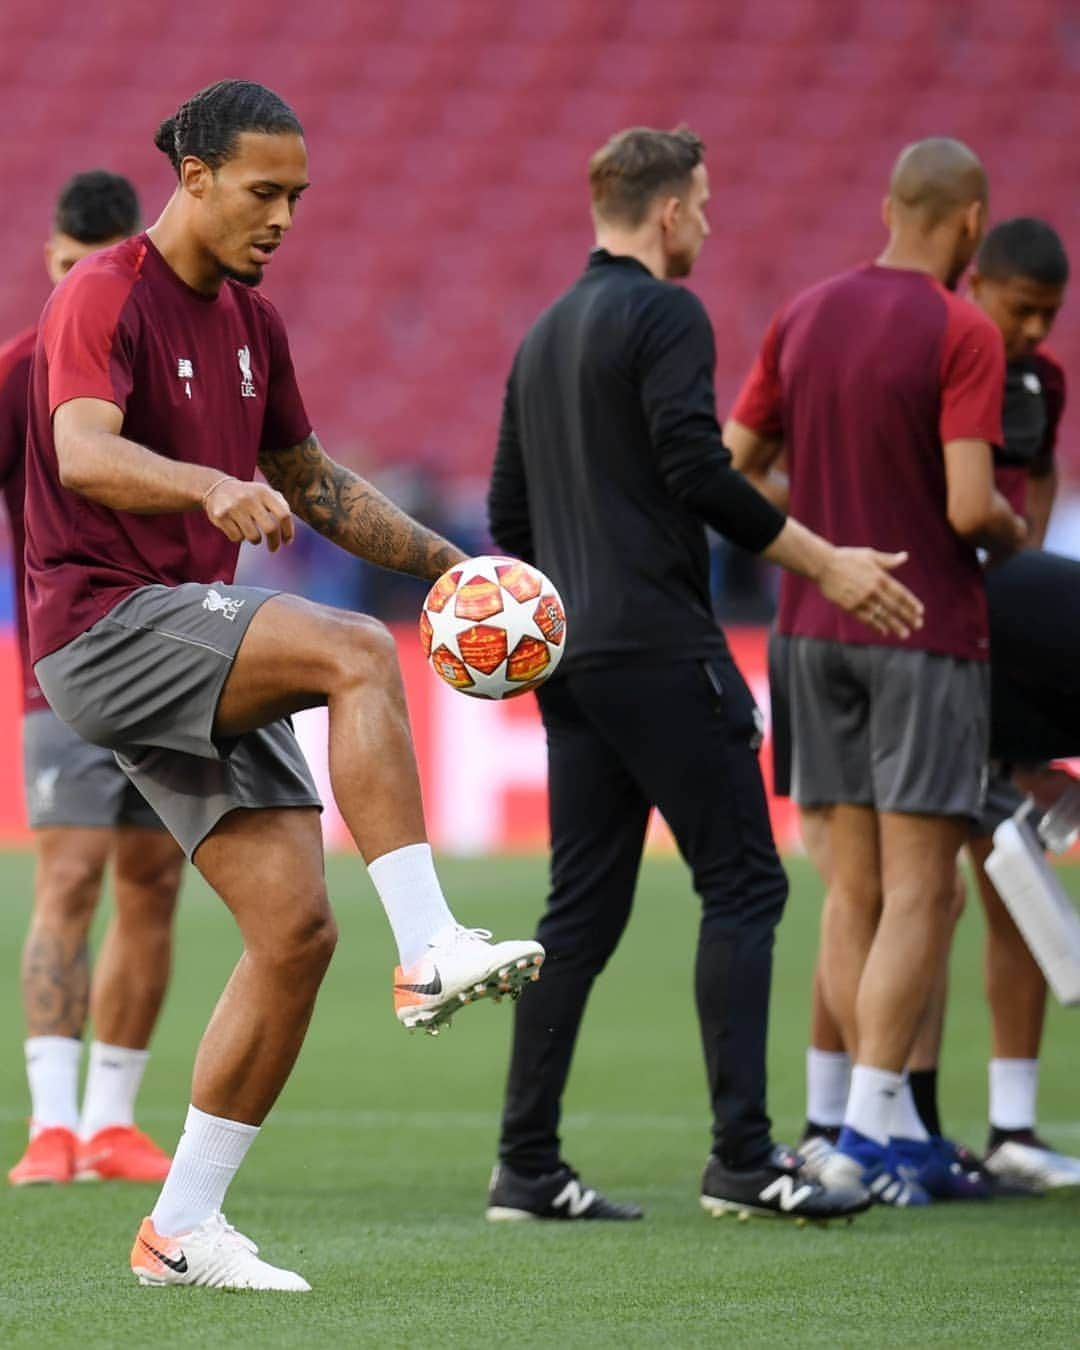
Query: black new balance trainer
[554, 1195]
[778, 1188]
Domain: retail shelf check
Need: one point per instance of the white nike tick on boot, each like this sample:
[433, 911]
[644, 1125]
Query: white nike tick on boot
[463, 966]
[214, 1255]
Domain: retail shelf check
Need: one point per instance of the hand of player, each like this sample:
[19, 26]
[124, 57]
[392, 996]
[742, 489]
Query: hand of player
[251, 511]
[857, 579]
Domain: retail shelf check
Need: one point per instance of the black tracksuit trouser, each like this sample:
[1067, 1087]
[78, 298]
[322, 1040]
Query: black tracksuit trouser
[683, 737]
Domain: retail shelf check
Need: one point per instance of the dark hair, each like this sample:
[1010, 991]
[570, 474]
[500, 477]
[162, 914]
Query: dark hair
[208, 124]
[96, 206]
[638, 165]
[1023, 247]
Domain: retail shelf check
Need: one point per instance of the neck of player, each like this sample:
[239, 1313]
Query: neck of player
[933, 253]
[180, 246]
[645, 246]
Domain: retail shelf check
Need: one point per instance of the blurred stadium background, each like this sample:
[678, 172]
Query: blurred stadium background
[448, 143]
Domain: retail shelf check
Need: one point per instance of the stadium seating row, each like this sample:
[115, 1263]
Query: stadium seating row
[449, 138]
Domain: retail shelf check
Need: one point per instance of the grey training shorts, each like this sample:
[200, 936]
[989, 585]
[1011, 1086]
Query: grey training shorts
[886, 727]
[145, 681]
[72, 784]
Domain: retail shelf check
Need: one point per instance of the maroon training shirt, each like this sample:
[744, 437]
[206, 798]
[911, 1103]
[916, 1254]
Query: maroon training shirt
[14, 381]
[199, 379]
[866, 376]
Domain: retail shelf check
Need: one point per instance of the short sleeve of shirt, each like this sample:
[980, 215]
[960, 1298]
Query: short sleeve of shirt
[759, 404]
[286, 422]
[86, 341]
[972, 377]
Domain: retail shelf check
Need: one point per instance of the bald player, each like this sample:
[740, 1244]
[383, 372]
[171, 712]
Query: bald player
[885, 390]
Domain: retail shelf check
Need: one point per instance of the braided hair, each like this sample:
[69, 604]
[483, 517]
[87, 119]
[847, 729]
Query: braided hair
[208, 124]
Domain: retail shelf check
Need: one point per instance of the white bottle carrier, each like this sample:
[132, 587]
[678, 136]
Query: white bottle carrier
[1041, 908]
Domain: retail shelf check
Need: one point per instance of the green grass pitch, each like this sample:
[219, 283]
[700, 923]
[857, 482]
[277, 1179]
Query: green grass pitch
[370, 1176]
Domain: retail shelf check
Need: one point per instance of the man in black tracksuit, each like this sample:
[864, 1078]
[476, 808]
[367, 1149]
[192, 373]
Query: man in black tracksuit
[609, 465]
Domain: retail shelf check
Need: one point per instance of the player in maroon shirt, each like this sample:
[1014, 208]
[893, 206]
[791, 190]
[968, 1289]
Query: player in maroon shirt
[885, 390]
[84, 814]
[1019, 279]
[161, 380]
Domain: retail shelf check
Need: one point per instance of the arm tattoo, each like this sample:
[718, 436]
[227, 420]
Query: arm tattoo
[355, 515]
[55, 985]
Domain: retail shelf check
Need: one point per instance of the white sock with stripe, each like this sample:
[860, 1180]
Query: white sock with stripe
[906, 1121]
[1014, 1086]
[206, 1160]
[872, 1102]
[828, 1078]
[412, 898]
[52, 1070]
[112, 1084]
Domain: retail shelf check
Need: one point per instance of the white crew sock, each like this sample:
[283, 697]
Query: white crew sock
[52, 1070]
[1014, 1085]
[906, 1121]
[872, 1102]
[413, 899]
[207, 1156]
[828, 1077]
[112, 1084]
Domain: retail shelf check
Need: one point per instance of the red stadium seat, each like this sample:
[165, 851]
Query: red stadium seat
[449, 141]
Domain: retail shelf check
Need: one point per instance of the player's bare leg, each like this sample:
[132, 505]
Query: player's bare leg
[130, 976]
[918, 870]
[56, 961]
[814, 827]
[852, 910]
[926, 1051]
[917, 877]
[296, 654]
[267, 865]
[925, 1054]
[918, 1150]
[131, 971]
[828, 1064]
[56, 990]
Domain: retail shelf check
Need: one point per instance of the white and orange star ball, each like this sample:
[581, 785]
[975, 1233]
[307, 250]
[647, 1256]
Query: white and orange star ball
[493, 627]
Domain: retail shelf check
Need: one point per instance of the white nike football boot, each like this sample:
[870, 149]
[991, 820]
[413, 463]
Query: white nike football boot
[460, 968]
[214, 1255]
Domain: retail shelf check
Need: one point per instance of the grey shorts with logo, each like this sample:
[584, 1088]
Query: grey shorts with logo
[145, 681]
[886, 727]
[72, 784]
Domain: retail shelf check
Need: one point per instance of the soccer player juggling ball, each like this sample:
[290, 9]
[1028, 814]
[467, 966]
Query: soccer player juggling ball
[160, 381]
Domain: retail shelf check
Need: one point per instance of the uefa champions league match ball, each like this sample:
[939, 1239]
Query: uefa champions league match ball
[493, 627]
